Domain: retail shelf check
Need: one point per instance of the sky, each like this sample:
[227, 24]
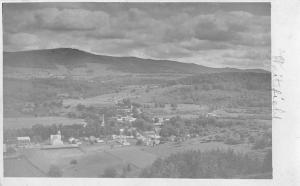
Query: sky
[236, 35]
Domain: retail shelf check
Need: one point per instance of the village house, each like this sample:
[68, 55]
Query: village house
[63, 95]
[125, 118]
[211, 115]
[151, 138]
[4, 148]
[23, 141]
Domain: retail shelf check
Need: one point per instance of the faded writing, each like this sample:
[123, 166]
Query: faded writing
[277, 98]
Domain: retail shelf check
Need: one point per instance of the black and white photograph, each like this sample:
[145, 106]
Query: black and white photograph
[137, 90]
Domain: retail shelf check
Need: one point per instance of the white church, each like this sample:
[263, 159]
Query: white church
[56, 139]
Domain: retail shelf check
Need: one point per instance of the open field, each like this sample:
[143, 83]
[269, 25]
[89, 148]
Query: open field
[91, 165]
[45, 158]
[134, 155]
[20, 167]
[167, 149]
[107, 99]
[182, 110]
[28, 122]
[92, 160]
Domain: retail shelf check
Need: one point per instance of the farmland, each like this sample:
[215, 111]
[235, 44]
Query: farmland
[27, 122]
[125, 118]
[20, 167]
[93, 160]
[238, 124]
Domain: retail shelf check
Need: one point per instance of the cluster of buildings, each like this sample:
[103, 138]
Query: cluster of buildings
[149, 138]
[127, 118]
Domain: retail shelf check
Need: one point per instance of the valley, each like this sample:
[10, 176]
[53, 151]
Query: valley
[87, 96]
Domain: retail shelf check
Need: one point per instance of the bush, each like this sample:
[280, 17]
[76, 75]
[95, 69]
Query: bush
[110, 172]
[54, 171]
[174, 106]
[129, 167]
[80, 107]
[139, 142]
[232, 140]
[262, 142]
[251, 139]
[142, 125]
[11, 150]
[73, 162]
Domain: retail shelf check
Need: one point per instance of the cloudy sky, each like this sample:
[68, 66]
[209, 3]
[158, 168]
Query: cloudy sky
[210, 34]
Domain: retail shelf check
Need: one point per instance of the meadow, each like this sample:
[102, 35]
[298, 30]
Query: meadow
[28, 122]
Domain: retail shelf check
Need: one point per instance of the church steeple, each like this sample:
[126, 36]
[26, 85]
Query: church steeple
[103, 121]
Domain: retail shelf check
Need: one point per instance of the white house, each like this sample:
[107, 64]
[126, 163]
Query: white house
[56, 139]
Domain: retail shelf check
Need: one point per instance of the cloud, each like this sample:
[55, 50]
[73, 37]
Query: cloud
[164, 51]
[71, 19]
[251, 54]
[116, 47]
[21, 41]
[196, 45]
[237, 27]
[189, 33]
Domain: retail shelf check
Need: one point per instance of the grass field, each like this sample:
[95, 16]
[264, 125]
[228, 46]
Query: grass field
[45, 158]
[193, 144]
[105, 99]
[91, 165]
[28, 122]
[92, 160]
[134, 155]
[20, 167]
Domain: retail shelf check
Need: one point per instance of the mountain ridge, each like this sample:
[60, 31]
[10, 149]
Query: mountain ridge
[72, 58]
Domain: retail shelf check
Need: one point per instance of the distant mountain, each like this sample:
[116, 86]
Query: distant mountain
[74, 58]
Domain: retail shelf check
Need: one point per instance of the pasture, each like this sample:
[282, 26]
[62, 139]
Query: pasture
[182, 110]
[43, 159]
[91, 161]
[91, 165]
[105, 99]
[20, 167]
[133, 155]
[28, 122]
[167, 149]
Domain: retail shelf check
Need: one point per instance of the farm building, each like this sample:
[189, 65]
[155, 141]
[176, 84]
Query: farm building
[10, 140]
[211, 115]
[23, 141]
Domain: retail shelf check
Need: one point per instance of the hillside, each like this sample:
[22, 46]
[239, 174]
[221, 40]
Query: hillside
[70, 59]
[41, 77]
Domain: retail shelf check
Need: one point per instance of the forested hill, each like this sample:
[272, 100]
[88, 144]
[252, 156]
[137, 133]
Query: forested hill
[229, 80]
[73, 58]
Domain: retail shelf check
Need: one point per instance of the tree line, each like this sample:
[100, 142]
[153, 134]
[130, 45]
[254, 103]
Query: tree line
[212, 164]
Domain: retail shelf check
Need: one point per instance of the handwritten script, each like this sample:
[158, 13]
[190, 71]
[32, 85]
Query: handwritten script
[277, 77]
